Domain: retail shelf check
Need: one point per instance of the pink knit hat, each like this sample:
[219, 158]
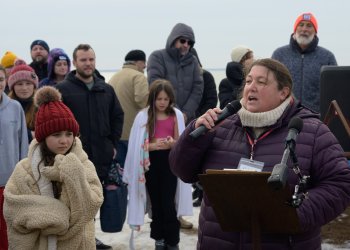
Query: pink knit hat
[21, 71]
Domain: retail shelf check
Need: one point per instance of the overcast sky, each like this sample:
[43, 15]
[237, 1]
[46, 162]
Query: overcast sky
[113, 27]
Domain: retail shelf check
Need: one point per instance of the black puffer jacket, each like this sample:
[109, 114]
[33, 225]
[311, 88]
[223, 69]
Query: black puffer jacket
[210, 95]
[99, 115]
[230, 87]
[40, 69]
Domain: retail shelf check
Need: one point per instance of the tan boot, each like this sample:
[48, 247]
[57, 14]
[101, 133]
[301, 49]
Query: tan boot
[184, 224]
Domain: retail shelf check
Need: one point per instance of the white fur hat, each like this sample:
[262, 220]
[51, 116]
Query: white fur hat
[238, 53]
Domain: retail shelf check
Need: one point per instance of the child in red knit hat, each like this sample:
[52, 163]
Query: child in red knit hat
[54, 194]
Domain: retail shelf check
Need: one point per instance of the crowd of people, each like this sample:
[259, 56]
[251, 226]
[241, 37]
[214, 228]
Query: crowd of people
[60, 131]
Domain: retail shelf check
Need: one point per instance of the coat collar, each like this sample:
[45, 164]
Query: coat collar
[312, 46]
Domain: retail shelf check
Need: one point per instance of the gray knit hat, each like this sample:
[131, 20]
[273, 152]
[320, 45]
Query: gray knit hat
[239, 52]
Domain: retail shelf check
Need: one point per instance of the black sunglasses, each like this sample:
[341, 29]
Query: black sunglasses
[183, 41]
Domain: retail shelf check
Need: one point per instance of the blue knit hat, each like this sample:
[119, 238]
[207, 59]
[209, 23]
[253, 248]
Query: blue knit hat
[55, 55]
[42, 43]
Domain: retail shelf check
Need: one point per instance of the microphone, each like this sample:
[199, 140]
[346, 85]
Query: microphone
[230, 109]
[279, 174]
[295, 126]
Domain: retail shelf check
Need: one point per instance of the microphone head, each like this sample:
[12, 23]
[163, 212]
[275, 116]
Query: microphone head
[233, 107]
[296, 123]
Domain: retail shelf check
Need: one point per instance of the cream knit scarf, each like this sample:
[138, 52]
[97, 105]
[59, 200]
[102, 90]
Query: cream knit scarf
[45, 187]
[259, 121]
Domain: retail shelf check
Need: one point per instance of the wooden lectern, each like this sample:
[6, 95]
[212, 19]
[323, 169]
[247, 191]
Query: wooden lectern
[243, 202]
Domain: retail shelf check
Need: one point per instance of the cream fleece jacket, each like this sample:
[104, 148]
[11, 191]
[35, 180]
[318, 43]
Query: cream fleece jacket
[31, 217]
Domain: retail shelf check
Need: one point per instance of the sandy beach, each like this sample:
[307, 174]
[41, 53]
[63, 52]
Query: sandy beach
[188, 238]
[120, 241]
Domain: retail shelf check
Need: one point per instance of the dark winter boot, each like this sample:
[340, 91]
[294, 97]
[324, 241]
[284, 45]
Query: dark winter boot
[176, 247]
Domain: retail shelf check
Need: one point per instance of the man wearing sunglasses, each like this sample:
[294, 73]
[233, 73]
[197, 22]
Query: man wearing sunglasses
[177, 64]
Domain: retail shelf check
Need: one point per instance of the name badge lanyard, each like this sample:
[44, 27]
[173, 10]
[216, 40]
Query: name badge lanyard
[253, 142]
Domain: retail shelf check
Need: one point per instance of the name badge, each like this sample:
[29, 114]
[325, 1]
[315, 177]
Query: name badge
[250, 165]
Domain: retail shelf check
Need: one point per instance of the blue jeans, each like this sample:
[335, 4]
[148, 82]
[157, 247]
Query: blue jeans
[122, 149]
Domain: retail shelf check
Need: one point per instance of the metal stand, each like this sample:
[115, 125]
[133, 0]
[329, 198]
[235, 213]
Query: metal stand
[300, 190]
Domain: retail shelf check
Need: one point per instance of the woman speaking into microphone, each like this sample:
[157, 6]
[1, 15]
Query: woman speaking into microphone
[256, 136]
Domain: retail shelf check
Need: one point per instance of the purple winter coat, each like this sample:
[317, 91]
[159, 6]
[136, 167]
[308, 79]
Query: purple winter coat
[319, 155]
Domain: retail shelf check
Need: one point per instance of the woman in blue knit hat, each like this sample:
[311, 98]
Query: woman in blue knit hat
[58, 67]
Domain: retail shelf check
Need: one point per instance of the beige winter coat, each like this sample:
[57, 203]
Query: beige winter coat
[131, 88]
[31, 216]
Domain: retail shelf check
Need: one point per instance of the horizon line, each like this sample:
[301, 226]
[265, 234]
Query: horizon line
[114, 70]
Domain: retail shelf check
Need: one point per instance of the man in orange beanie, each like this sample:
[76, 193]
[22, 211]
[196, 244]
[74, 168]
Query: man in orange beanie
[304, 59]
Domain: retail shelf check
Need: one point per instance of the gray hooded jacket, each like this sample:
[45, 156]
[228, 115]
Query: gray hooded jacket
[13, 137]
[182, 71]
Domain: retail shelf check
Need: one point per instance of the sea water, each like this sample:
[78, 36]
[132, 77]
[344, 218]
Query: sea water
[218, 75]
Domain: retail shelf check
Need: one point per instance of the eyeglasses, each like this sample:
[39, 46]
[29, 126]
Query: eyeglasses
[183, 41]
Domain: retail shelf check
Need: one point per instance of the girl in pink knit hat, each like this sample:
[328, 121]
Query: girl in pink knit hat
[22, 84]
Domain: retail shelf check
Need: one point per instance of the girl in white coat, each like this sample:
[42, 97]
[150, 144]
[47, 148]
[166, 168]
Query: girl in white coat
[154, 132]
